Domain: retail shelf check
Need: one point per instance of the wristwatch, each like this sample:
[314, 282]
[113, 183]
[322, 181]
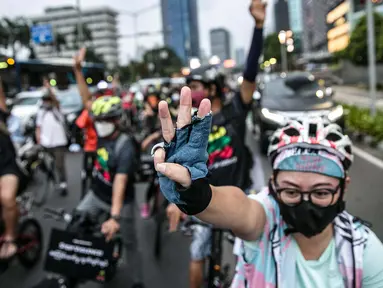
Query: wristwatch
[116, 218]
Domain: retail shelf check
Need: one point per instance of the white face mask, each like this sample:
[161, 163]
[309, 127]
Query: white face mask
[104, 129]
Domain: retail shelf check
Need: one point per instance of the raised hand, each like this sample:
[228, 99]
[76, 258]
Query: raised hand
[184, 156]
[258, 11]
[79, 57]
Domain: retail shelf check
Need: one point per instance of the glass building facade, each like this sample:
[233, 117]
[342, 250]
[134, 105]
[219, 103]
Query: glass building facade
[295, 15]
[180, 25]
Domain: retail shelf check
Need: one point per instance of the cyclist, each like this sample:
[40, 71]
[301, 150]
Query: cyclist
[230, 161]
[112, 188]
[51, 133]
[9, 182]
[296, 231]
[85, 122]
[152, 135]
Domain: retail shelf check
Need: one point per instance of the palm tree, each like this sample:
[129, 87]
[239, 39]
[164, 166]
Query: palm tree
[86, 35]
[16, 31]
[4, 35]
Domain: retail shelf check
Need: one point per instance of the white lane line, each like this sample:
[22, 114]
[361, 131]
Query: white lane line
[368, 157]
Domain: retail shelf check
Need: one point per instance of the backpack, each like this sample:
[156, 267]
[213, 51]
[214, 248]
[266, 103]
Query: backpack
[121, 140]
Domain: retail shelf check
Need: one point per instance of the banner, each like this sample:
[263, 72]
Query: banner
[88, 258]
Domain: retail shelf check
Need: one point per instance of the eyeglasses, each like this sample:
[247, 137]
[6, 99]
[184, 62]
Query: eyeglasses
[322, 197]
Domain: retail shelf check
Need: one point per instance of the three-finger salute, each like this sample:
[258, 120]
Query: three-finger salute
[181, 160]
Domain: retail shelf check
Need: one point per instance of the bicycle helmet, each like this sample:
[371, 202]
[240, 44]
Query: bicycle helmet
[107, 107]
[313, 135]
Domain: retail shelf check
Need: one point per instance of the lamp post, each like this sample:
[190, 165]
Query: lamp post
[371, 55]
[282, 36]
[135, 16]
[79, 25]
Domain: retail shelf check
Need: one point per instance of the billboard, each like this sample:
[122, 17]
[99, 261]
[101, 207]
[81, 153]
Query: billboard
[338, 31]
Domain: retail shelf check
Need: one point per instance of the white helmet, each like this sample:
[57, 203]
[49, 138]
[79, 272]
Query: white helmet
[312, 134]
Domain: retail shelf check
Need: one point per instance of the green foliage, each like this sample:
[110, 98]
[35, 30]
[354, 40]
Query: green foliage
[359, 120]
[92, 56]
[60, 43]
[162, 62]
[86, 36]
[158, 62]
[272, 47]
[357, 50]
[15, 31]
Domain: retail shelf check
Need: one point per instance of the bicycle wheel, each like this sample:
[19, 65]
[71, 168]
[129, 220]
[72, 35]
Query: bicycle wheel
[30, 242]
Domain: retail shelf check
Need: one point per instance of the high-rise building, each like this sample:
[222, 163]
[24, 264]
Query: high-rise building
[240, 56]
[220, 43]
[296, 23]
[101, 22]
[281, 17]
[315, 24]
[180, 23]
[270, 21]
[295, 15]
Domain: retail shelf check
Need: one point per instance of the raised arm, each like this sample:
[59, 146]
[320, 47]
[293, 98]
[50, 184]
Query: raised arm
[52, 93]
[186, 156]
[257, 10]
[3, 105]
[82, 85]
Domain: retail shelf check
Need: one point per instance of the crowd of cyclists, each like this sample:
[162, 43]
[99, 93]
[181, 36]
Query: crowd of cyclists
[295, 232]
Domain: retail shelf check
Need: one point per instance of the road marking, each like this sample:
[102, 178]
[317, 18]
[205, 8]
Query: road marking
[368, 157]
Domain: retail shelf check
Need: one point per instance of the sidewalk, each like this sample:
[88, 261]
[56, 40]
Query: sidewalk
[355, 96]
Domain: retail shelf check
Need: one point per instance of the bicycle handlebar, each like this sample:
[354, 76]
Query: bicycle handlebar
[188, 224]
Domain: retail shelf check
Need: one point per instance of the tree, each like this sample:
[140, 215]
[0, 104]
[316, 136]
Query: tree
[162, 62]
[60, 43]
[86, 36]
[272, 47]
[92, 56]
[357, 50]
[16, 31]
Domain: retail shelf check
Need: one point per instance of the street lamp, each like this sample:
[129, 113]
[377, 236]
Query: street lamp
[282, 36]
[214, 60]
[194, 63]
[290, 48]
[80, 31]
[135, 16]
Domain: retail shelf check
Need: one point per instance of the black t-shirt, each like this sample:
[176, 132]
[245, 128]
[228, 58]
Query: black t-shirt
[152, 124]
[230, 161]
[107, 165]
[7, 150]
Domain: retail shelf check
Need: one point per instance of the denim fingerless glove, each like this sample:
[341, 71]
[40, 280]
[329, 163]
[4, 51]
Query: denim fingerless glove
[189, 149]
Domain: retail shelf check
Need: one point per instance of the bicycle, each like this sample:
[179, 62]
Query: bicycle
[29, 238]
[38, 163]
[82, 230]
[159, 216]
[217, 276]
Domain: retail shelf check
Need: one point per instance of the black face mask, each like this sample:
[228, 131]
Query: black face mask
[308, 218]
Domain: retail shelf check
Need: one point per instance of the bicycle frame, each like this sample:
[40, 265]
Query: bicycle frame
[215, 260]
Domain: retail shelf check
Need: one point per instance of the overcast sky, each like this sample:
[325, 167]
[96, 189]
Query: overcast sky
[230, 14]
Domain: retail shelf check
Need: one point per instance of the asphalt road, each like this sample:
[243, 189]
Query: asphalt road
[364, 199]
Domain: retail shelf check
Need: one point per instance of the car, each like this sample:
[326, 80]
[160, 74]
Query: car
[294, 96]
[26, 104]
[71, 106]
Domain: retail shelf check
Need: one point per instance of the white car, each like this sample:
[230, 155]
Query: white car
[27, 104]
